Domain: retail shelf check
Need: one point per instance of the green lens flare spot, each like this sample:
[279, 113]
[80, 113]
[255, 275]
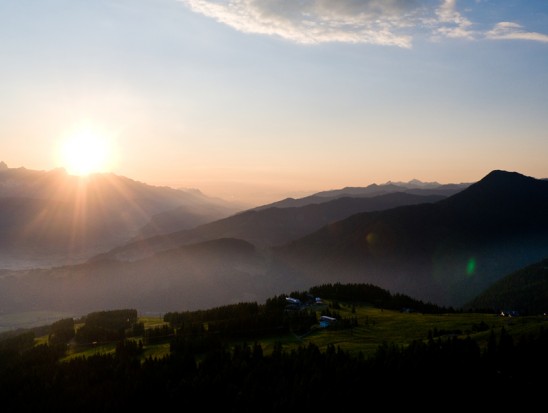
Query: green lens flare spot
[471, 267]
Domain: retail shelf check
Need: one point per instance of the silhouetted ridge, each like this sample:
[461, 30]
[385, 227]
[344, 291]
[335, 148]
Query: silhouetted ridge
[511, 183]
[502, 186]
[501, 202]
[412, 187]
[269, 226]
[444, 251]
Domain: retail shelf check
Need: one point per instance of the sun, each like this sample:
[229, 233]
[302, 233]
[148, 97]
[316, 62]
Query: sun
[85, 152]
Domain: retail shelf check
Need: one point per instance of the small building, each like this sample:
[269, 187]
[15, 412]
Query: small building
[509, 313]
[326, 321]
[292, 300]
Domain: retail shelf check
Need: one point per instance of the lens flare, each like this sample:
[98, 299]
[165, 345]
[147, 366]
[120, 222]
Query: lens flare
[471, 267]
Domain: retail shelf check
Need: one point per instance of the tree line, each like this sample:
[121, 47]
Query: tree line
[242, 378]
[205, 368]
[376, 296]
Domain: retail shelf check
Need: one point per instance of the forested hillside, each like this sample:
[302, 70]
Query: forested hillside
[238, 357]
[524, 291]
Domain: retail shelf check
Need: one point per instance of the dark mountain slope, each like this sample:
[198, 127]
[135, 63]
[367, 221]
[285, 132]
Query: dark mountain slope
[509, 201]
[165, 274]
[525, 291]
[272, 226]
[444, 252]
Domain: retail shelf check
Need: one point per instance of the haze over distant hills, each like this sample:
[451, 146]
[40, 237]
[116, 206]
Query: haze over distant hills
[446, 252]
[269, 226]
[440, 249]
[414, 187]
[52, 218]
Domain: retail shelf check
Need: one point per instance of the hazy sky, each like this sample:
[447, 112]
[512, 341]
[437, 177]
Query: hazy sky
[265, 98]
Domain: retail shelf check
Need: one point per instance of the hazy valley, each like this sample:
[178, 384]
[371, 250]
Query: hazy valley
[117, 243]
[273, 206]
[51, 218]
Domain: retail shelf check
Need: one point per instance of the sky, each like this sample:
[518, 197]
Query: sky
[258, 100]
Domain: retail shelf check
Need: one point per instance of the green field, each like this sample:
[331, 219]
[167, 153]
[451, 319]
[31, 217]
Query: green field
[75, 351]
[374, 327]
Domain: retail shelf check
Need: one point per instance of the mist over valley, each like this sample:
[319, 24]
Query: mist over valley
[113, 242]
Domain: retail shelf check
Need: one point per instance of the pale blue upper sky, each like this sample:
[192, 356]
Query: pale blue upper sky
[261, 99]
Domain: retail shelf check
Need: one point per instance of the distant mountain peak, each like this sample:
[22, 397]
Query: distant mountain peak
[3, 166]
[504, 179]
[415, 183]
[501, 190]
[502, 174]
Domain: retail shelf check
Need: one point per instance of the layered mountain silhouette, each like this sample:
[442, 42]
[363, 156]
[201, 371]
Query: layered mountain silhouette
[270, 226]
[445, 251]
[51, 218]
[413, 187]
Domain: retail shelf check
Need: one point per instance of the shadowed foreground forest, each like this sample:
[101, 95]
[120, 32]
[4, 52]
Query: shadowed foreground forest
[219, 364]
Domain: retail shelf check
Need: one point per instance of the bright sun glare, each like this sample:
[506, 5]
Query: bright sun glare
[85, 152]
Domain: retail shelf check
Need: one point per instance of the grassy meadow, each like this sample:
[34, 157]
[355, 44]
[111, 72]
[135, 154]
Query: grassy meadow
[374, 327]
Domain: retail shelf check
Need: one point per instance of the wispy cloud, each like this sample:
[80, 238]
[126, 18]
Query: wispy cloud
[514, 31]
[316, 21]
[451, 23]
[379, 22]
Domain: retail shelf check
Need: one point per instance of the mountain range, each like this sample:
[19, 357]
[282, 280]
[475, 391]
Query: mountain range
[413, 187]
[444, 249]
[53, 218]
[444, 252]
[267, 227]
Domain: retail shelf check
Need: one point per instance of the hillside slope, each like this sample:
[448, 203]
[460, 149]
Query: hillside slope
[52, 218]
[525, 291]
[446, 252]
[268, 227]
